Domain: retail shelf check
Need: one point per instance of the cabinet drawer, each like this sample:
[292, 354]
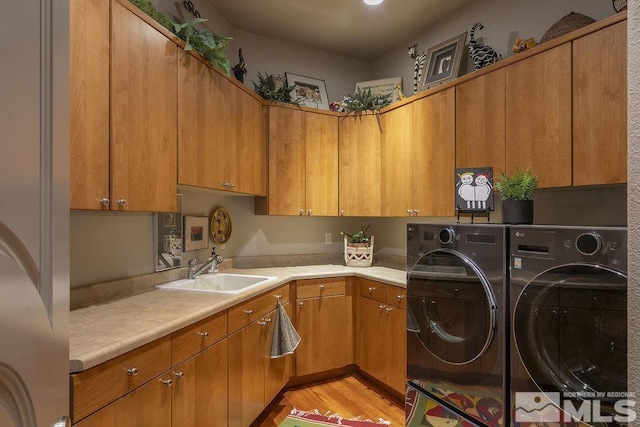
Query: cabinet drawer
[245, 313]
[193, 339]
[100, 385]
[315, 288]
[371, 289]
[396, 296]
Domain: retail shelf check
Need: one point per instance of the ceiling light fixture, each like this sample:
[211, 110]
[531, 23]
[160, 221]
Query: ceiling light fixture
[373, 2]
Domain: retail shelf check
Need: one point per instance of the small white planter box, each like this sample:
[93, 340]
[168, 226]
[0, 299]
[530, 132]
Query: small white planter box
[358, 254]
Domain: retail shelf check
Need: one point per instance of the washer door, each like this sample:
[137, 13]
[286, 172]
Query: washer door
[452, 308]
[570, 329]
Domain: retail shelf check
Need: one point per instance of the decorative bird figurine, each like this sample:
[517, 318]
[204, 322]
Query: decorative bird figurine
[240, 69]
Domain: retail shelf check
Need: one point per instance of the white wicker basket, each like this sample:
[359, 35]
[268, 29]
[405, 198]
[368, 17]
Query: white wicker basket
[358, 256]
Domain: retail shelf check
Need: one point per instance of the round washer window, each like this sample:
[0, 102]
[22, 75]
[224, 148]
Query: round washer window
[451, 306]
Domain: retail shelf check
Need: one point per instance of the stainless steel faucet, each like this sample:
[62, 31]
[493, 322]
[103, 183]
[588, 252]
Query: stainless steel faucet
[212, 263]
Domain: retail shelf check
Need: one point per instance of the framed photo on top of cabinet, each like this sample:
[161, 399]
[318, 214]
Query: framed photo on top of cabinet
[443, 61]
[312, 93]
[196, 233]
[392, 86]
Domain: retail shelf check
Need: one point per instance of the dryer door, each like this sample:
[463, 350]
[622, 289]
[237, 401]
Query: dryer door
[570, 329]
[452, 308]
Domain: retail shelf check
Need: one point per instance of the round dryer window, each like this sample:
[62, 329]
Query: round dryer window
[570, 329]
[451, 307]
[220, 225]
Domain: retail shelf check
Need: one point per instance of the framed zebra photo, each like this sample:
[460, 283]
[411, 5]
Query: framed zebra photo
[444, 61]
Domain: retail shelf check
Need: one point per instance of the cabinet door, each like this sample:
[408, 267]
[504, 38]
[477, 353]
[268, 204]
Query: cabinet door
[279, 370]
[600, 107]
[286, 161]
[149, 405]
[434, 154]
[370, 340]
[538, 116]
[89, 104]
[321, 325]
[143, 167]
[480, 122]
[246, 374]
[359, 166]
[200, 389]
[321, 164]
[398, 163]
[251, 146]
[396, 348]
[206, 126]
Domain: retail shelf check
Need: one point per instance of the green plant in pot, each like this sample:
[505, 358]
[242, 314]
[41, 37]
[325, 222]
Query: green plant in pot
[358, 248]
[516, 191]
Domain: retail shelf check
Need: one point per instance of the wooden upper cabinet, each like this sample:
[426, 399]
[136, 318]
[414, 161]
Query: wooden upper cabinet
[321, 165]
[396, 178]
[538, 116]
[600, 107]
[206, 126]
[433, 160]
[480, 122]
[287, 159]
[144, 114]
[89, 104]
[251, 146]
[360, 166]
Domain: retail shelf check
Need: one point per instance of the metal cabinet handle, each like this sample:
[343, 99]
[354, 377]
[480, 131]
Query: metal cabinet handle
[179, 375]
[301, 304]
[416, 212]
[204, 335]
[321, 288]
[341, 212]
[388, 309]
[167, 383]
[132, 372]
[267, 320]
[309, 212]
[301, 211]
[400, 297]
[249, 312]
[409, 211]
[122, 202]
[381, 307]
[105, 202]
[371, 289]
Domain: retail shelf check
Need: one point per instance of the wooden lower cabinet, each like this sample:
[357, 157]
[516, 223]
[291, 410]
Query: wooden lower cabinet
[381, 332]
[323, 319]
[149, 405]
[199, 390]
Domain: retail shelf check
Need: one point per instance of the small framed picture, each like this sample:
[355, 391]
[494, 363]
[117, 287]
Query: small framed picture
[474, 189]
[196, 233]
[391, 86]
[443, 61]
[312, 93]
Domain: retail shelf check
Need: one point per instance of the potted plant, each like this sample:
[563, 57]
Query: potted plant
[269, 90]
[363, 100]
[358, 248]
[517, 192]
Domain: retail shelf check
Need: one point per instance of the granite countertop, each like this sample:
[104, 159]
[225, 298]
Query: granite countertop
[100, 332]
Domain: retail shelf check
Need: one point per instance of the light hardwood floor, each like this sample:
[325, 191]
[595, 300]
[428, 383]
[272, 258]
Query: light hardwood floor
[350, 396]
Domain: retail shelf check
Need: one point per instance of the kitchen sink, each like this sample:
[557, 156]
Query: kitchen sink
[218, 282]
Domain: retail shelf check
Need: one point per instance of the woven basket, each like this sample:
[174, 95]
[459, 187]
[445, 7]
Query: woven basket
[565, 25]
[358, 256]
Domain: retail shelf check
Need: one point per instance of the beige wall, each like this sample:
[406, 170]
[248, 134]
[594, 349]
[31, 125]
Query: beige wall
[634, 198]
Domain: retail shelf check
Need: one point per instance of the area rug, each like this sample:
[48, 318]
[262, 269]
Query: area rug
[299, 418]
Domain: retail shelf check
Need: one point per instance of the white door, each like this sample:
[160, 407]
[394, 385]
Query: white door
[34, 215]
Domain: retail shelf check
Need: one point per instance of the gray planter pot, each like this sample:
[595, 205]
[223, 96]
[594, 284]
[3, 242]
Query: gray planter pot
[517, 211]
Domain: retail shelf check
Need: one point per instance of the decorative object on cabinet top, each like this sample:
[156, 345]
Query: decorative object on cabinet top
[273, 89]
[565, 25]
[365, 100]
[481, 55]
[619, 5]
[210, 45]
[444, 61]
[240, 69]
[308, 91]
[520, 45]
[358, 248]
[220, 225]
[391, 86]
[418, 65]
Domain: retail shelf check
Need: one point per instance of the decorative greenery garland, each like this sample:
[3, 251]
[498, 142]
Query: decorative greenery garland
[266, 88]
[207, 43]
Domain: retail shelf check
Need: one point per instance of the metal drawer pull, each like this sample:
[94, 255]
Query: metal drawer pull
[122, 202]
[371, 289]
[388, 309]
[301, 304]
[400, 297]
[179, 375]
[249, 312]
[278, 297]
[381, 307]
[204, 334]
[167, 383]
[321, 288]
[262, 322]
[104, 202]
[132, 372]
[267, 320]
